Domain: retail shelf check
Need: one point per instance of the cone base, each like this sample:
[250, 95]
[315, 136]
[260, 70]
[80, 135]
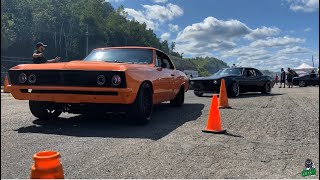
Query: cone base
[225, 107]
[215, 132]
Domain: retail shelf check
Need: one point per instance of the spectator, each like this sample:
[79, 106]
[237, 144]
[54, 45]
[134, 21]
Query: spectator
[277, 79]
[38, 56]
[282, 78]
[312, 72]
[233, 66]
[290, 78]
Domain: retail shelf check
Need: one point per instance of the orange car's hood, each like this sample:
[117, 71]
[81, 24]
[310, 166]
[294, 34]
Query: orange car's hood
[81, 65]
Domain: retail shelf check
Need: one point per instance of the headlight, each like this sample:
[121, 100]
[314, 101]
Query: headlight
[101, 79]
[116, 80]
[32, 78]
[192, 82]
[215, 82]
[22, 78]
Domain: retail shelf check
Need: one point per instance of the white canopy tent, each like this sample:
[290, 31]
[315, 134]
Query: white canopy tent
[303, 68]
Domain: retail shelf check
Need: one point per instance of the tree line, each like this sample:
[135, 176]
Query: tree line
[62, 25]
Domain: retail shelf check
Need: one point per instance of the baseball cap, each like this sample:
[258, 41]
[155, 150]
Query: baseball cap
[40, 44]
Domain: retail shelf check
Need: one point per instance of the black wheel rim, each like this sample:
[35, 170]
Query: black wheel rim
[147, 103]
[235, 89]
[302, 83]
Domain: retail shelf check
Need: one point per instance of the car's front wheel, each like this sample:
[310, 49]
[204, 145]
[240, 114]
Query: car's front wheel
[198, 94]
[141, 110]
[179, 99]
[302, 84]
[233, 90]
[266, 88]
[44, 110]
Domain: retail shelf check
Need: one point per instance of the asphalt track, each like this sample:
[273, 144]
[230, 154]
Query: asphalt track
[269, 136]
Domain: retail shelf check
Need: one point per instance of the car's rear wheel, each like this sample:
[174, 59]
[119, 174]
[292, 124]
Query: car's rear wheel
[233, 90]
[198, 94]
[179, 99]
[302, 84]
[44, 110]
[267, 88]
[142, 108]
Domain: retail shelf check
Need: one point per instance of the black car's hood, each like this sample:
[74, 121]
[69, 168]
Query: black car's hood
[213, 77]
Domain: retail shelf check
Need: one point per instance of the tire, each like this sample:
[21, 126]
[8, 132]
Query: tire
[44, 110]
[198, 94]
[179, 99]
[302, 84]
[233, 90]
[141, 110]
[266, 88]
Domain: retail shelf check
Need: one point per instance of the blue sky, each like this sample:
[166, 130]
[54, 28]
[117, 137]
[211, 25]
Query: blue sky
[266, 34]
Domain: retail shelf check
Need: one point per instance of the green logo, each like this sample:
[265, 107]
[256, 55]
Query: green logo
[309, 169]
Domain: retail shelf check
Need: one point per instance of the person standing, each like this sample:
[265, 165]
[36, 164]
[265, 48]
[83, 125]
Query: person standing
[38, 56]
[289, 78]
[282, 78]
[276, 79]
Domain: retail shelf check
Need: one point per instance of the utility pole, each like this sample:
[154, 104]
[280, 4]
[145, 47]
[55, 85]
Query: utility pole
[87, 34]
[312, 62]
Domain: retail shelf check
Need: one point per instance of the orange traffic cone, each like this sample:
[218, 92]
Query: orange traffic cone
[214, 123]
[47, 166]
[6, 84]
[223, 98]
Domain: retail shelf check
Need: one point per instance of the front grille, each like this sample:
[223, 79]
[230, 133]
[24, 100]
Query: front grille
[68, 78]
[207, 85]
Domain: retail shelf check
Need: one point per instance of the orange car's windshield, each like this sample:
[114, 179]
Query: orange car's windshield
[134, 56]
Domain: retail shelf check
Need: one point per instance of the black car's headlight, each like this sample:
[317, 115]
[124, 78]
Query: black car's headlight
[192, 82]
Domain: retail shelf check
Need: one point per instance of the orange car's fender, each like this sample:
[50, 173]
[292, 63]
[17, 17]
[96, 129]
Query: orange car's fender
[135, 77]
[180, 80]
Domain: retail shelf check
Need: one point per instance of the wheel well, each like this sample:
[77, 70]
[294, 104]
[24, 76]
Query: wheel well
[150, 83]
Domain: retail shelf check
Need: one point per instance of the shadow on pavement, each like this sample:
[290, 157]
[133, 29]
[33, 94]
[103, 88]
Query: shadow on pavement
[165, 120]
[247, 95]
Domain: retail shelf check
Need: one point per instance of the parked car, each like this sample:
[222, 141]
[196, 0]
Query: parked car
[306, 80]
[237, 80]
[130, 79]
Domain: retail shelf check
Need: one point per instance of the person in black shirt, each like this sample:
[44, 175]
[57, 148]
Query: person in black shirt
[282, 78]
[38, 56]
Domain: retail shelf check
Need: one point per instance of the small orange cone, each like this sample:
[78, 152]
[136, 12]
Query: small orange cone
[47, 166]
[6, 84]
[214, 123]
[223, 98]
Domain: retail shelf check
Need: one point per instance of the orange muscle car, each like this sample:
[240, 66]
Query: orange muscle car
[127, 79]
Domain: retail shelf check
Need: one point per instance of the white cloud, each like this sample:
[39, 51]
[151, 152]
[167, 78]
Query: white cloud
[153, 15]
[173, 28]
[160, 1]
[116, 1]
[304, 5]
[278, 41]
[140, 17]
[162, 13]
[263, 32]
[294, 50]
[165, 36]
[307, 29]
[212, 29]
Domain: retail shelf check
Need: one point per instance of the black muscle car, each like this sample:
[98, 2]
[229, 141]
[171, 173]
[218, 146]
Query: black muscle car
[238, 80]
[306, 80]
